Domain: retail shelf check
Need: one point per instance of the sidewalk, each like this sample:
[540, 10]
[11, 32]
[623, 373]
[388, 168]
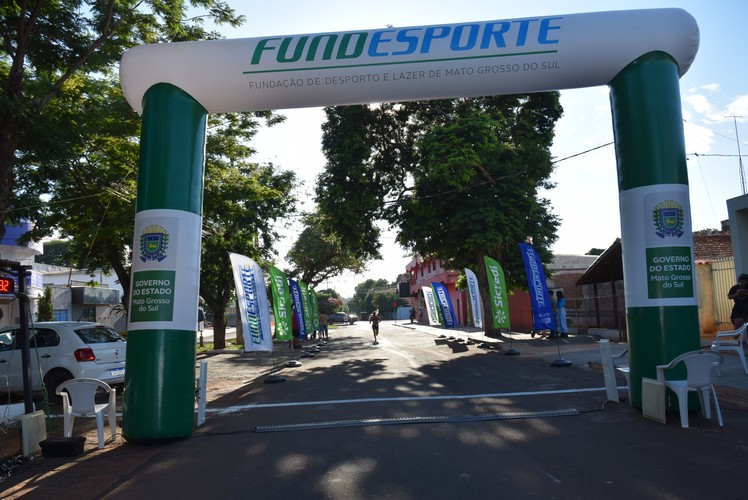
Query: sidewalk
[584, 350]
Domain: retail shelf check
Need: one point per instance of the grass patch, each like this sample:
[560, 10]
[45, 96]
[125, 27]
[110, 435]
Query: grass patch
[209, 346]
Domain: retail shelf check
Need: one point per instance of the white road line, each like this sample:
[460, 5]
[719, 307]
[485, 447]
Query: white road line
[233, 409]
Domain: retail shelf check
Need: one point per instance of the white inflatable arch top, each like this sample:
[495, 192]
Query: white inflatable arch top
[400, 64]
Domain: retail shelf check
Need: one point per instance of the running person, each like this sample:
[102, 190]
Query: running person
[374, 320]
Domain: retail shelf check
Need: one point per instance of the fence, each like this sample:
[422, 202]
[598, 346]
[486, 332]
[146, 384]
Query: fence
[597, 311]
[723, 277]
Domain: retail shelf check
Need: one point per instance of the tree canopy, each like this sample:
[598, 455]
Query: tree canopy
[242, 201]
[74, 140]
[459, 178]
[52, 50]
[318, 255]
[373, 295]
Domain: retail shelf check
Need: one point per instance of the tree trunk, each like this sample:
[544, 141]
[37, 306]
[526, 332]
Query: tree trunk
[9, 139]
[123, 275]
[239, 329]
[219, 329]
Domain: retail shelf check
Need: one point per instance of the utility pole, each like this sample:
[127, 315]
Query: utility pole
[23, 335]
[740, 158]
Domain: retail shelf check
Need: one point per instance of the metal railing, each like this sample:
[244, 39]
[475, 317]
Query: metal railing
[723, 277]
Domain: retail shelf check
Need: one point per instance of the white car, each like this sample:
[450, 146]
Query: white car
[60, 351]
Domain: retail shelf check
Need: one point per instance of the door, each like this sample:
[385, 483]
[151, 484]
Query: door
[43, 344]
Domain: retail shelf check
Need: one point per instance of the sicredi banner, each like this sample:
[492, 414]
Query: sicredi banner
[497, 292]
[420, 62]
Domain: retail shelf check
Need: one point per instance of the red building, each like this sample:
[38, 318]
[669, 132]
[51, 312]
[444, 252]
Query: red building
[425, 270]
[564, 271]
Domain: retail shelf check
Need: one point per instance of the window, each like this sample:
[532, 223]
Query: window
[6, 340]
[98, 335]
[45, 337]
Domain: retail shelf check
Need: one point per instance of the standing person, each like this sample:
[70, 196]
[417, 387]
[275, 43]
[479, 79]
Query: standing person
[200, 322]
[323, 326]
[374, 320]
[412, 314]
[553, 333]
[295, 332]
[739, 294]
[563, 329]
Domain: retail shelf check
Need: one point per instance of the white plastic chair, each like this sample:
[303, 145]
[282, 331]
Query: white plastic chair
[732, 341]
[698, 379]
[80, 401]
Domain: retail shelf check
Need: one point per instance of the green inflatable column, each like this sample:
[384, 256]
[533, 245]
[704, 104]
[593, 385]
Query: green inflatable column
[159, 401]
[661, 308]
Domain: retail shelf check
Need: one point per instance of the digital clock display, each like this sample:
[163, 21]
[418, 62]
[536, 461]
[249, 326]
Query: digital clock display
[7, 285]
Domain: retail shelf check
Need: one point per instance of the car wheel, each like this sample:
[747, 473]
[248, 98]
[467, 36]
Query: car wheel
[52, 381]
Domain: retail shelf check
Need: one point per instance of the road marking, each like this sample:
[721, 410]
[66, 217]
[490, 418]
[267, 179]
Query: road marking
[236, 408]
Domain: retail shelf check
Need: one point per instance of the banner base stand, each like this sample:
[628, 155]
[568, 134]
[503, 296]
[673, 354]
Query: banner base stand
[560, 363]
[274, 379]
[511, 352]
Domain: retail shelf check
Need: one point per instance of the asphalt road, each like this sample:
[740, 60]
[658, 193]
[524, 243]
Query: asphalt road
[420, 417]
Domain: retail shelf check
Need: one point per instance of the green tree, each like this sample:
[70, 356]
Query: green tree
[242, 200]
[458, 178]
[44, 308]
[363, 296]
[348, 190]
[382, 300]
[87, 173]
[56, 253]
[47, 47]
[318, 255]
[329, 301]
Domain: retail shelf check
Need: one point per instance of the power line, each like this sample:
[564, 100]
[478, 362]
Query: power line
[740, 158]
[55, 202]
[583, 152]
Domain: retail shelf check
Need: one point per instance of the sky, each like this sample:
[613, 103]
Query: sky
[714, 97]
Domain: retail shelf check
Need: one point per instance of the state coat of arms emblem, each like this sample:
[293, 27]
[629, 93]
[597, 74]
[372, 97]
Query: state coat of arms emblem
[154, 240]
[668, 217]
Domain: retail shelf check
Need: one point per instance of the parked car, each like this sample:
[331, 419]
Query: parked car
[338, 317]
[60, 351]
[352, 318]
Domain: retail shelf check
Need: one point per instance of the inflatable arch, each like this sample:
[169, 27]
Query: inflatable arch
[639, 54]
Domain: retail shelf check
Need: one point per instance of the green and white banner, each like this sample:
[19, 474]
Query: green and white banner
[476, 305]
[431, 309]
[282, 307]
[658, 248]
[252, 296]
[166, 242]
[497, 291]
[307, 304]
[314, 306]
